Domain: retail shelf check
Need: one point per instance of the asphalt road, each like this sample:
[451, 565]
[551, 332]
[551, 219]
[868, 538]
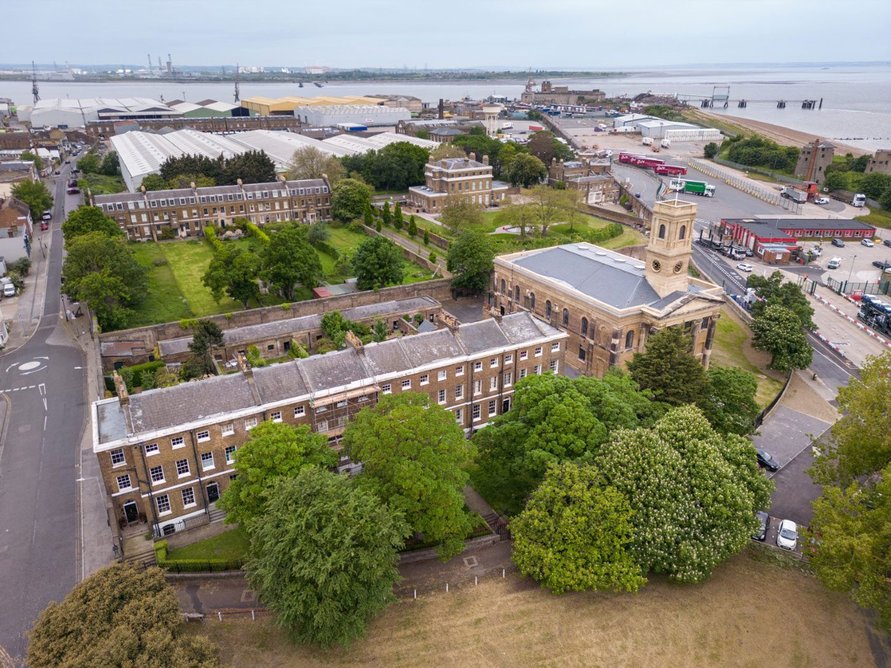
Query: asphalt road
[45, 384]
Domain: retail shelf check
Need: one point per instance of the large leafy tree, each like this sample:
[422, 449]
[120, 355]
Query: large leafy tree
[119, 616]
[729, 400]
[122, 283]
[668, 369]
[395, 167]
[778, 330]
[86, 219]
[553, 419]
[111, 164]
[413, 455]
[470, 260]
[250, 167]
[525, 170]
[154, 182]
[520, 216]
[772, 290]
[459, 213]
[311, 163]
[274, 450]
[233, 271]
[289, 259]
[206, 335]
[35, 194]
[323, 556]
[193, 164]
[350, 199]
[545, 146]
[693, 492]
[186, 181]
[552, 206]
[377, 263]
[575, 533]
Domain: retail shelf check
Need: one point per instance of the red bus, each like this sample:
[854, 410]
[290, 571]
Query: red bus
[648, 163]
[671, 170]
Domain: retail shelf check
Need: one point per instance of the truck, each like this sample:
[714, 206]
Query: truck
[670, 170]
[665, 143]
[794, 194]
[875, 313]
[647, 141]
[859, 200]
[700, 188]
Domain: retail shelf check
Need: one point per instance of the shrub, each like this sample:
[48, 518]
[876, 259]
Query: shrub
[211, 235]
[22, 266]
[167, 233]
[140, 375]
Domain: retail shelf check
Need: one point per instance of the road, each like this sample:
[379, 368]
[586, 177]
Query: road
[44, 383]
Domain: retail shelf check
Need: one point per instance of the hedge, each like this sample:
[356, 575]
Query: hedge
[211, 235]
[140, 375]
[193, 565]
[257, 232]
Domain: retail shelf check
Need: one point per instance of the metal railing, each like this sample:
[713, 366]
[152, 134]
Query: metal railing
[745, 186]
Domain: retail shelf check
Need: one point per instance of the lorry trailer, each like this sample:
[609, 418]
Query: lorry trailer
[875, 313]
[670, 170]
[794, 194]
[700, 188]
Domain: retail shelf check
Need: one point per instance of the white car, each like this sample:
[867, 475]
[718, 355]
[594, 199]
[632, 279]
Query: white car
[744, 266]
[787, 535]
[817, 251]
[867, 242]
[821, 200]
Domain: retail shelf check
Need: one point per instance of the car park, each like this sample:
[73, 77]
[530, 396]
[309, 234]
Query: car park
[787, 535]
[884, 265]
[821, 200]
[766, 460]
[744, 266]
[763, 523]
[867, 242]
[838, 242]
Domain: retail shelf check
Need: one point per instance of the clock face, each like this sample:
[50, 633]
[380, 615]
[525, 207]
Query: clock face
[657, 265]
[677, 267]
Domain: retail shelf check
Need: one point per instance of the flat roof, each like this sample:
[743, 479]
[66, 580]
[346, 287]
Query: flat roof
[764, 225]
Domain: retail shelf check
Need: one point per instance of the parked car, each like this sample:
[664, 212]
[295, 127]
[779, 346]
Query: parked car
[834, 263]
[884, 265]
[787, 536]
[887, 242]
[44, 226]
[9, 289]
[821, 200]
[838, 242]
[763, 522]
[817, 251]
[73, 191]
[867, 242]
[57, 172]
[766, 460]
[744, 266]
[47, 215]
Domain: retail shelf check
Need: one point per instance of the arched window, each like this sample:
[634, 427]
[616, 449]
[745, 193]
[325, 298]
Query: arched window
[503, 286]
[548, 309]
[565, 317]
[532, 301]
[683, 232]
[516, 293]
[662, 231]
[584, 327]
[629, 340]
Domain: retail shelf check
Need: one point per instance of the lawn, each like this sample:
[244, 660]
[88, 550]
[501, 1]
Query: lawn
[99, 184]
[230, 546]
[732, 347]
[877, 217]
[749, 613]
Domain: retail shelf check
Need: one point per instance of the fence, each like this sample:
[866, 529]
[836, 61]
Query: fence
[864, 287]
[782, 178]
[745, 186]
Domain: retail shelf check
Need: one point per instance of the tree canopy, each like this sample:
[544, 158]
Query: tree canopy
[774, 291]
[311, 163]
[206, 335]
[575, 533]
[250, 167]
[668, 369]
[119, 616]
[470, 260]
[553, 419]
[693, 492]
[525, 170]
[413, 455]
[778, 330]
[323, 556]
[235, 272]
[273, 451]
[377, 263]
[86, 219]
[394, 167]
[729, 401]
[546, 147]
[350, 199]
[289, 259]
[35, 194]
[460, 213]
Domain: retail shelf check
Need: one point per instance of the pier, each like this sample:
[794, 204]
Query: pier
[720, 99]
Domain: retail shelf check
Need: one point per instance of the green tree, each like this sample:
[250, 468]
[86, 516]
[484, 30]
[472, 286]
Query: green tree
[545, 146]
[386, 216]
[350, 200]
[35, 195]
[552, 206]
[426, 237]
[250, 167]
[774, 291]
[668, 369]
[525, 170]
[836, 181]
[874, 184]
[288, 259]
[575, 532]
[377, 263]
[119, 616]
[111, 164]
[520, 216]
[885, 199]
[206, 335]
[154, 182]
[398, 220]
[778, 330]
[396, 166]
[414, 453]
[323, 556]
[186, 181]
[693, 499]
[412, 227]
[28, 156]
[710, 150]
[274, 450]
[235, 272]
[89, 163]
[119, 282]
[553, 419]
[379, 331]
[311, 163]
[729, 401]
[86, 219]
[368, 217]
[470, 260]
[459, 213]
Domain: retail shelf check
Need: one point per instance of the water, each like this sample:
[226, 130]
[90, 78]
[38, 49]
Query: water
[856, 98]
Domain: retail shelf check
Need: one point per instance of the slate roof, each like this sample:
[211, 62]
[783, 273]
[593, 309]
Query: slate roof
[167, 408]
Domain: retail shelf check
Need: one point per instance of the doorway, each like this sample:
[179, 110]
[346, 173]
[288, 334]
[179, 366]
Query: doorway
[213, 492]
[131, 512]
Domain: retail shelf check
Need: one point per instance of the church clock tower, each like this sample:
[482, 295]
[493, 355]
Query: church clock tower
[670, 247]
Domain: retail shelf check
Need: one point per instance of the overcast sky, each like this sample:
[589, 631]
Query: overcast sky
[594, 34]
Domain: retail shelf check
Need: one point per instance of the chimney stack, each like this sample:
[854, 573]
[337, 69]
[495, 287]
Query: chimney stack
[485, 159]
[120, 387]
[354, 342]
[448, 320]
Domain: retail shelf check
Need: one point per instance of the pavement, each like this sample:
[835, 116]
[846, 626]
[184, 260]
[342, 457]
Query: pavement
[44, 385]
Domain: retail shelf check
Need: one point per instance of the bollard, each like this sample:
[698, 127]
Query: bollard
[219, 615]
[476, 579]
[416, 594]
[447, 587]
[253, 618]
[502, 572]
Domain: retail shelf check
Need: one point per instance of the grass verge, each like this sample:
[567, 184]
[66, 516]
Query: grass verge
[231, 545]
[877, 217]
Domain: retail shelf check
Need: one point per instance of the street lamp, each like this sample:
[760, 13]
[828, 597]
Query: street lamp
[851, 272]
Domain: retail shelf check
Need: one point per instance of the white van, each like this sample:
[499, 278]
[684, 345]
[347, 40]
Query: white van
[834, 263]
[647, 141]
[8, 289]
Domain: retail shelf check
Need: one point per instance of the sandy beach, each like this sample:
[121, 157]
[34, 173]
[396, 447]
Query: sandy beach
[782, 135]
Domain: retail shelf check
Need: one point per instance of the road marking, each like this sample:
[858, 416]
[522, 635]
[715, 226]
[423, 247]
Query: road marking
[44, 417]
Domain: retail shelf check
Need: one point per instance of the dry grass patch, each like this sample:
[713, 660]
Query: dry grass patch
[749, 614]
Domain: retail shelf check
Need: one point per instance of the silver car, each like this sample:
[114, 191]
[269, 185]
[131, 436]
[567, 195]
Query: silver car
[787, 535]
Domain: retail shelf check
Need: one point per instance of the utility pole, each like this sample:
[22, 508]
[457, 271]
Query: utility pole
[35, 91]
[237, 96]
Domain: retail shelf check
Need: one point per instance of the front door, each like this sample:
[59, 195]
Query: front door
[131, 512]
[213, 492]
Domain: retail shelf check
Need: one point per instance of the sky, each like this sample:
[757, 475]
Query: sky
[519, 34]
